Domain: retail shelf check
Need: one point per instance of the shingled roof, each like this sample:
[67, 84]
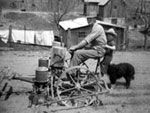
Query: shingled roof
[102, 2]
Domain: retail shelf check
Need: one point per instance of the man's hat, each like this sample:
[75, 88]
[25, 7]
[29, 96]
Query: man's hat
[111, 31]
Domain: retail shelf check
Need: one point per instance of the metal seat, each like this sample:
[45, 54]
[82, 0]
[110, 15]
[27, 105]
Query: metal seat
[99, 59]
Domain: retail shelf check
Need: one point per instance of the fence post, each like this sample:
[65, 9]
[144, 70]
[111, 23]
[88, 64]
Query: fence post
[10, 36]
[24, 34]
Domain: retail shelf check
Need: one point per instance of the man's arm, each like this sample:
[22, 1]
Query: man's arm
[78, 46]
[95, 32]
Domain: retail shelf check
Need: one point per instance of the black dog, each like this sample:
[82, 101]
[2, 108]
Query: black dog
[116, 71]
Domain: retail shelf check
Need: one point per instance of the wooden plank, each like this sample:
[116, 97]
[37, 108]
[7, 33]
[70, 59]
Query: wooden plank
[3, 73]
[1, 76]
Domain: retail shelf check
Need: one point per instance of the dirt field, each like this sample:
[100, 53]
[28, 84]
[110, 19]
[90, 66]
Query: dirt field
[136, 99]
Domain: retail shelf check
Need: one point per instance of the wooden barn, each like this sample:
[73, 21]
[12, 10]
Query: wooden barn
[105, 8]
[73, 32]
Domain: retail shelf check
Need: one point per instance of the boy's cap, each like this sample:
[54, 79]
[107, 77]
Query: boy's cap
[111, 31]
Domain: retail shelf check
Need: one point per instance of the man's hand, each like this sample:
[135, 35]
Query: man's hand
[78, 46]
[72, 48]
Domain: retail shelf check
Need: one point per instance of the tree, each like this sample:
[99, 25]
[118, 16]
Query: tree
[143, 15]
[60, 8]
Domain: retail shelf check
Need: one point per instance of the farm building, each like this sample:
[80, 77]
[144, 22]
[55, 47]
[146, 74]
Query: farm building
[105, 8]
[73, 31]
[113, 11]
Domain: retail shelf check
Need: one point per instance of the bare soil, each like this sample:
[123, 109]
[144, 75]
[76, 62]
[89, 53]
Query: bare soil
[136, 99]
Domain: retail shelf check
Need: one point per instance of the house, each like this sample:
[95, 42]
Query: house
[113, 11]
[73, 31]
[105, 8]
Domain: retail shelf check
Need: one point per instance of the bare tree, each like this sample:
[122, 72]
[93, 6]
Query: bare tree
[60, 8]
[143, 15]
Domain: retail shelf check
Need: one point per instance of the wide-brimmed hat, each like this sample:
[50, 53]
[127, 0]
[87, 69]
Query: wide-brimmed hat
[111, 31]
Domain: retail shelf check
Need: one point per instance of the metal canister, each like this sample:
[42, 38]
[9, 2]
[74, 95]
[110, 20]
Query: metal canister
[43, 62]
[41, 75]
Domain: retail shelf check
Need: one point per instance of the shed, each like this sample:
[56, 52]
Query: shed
[73, 33]
[105, 8]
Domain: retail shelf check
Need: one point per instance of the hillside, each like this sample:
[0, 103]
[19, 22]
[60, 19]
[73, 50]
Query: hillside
[32, 20]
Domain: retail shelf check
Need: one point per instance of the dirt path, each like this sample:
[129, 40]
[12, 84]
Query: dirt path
[121, 100]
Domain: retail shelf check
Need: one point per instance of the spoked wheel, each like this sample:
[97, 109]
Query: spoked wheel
[78, 87]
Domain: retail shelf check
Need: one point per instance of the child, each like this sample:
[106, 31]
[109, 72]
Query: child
[110, 47]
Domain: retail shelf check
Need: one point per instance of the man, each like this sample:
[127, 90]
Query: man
[97, 40]
[110, 47]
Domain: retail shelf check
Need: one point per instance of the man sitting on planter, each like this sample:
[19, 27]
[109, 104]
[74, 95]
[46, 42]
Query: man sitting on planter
[96, 38]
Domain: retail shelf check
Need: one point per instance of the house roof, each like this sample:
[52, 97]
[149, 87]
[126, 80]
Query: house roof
[75, 23]
[109, 24]
[82, 22]
[101, 2]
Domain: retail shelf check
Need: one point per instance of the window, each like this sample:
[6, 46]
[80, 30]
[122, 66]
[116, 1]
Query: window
[115, 7]
[114, 20]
